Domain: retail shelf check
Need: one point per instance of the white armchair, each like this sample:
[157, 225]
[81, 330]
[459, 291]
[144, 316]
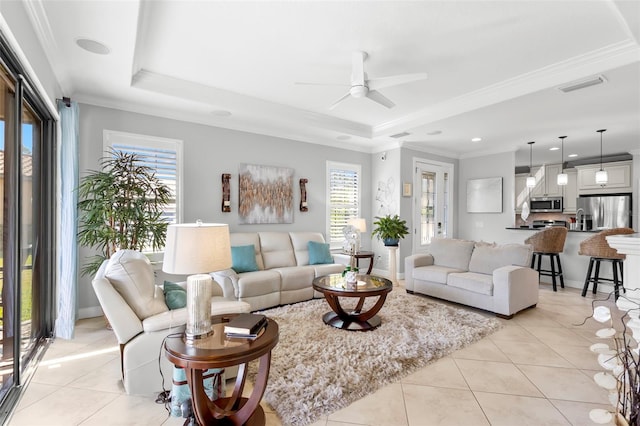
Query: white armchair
[135, 308]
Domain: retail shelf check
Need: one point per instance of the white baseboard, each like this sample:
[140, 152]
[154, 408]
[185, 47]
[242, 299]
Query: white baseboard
[90, 312]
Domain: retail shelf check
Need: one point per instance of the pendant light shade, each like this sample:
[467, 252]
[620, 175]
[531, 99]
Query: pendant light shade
[563, 178]
[531, 180]
[602, 177]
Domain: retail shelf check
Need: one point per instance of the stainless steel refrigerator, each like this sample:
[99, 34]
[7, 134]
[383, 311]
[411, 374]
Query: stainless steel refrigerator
[606, 211]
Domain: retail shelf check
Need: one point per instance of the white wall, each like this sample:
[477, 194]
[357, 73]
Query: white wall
[211, 151]
[487, 226]
[387, 187]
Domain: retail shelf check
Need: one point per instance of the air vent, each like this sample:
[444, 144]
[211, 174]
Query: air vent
[581, 84]
[400, 135]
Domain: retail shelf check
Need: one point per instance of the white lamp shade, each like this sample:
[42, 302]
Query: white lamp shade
[563, 179]
[359, 223]
[197, 248]
[531, 181]
[602, 177]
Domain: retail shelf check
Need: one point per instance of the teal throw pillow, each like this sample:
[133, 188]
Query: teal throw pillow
[243, 259]
[174, 296]
[319, 253]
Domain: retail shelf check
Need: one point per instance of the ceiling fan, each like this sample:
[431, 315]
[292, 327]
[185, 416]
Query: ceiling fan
[362, 87]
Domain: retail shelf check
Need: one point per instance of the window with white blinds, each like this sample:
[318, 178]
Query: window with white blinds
[343, 195]
[162, 155]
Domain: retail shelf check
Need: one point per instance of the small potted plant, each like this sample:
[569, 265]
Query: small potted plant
[390, 229]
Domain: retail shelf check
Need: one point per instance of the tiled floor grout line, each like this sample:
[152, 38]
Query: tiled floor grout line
[563, 318]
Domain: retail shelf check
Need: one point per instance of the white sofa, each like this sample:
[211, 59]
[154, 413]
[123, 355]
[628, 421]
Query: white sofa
[284, 274]
[136, 310]
[491, 277]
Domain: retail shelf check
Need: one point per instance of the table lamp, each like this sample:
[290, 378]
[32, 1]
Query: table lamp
[197, 248]
[361, 225]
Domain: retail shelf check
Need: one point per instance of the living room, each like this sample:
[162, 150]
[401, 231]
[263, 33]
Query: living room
[216, 144]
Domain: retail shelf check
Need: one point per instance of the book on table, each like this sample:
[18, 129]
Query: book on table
[245, 325]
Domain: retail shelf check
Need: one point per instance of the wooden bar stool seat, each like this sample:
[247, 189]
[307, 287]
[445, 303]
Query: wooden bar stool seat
[599, 251]
[549, 242]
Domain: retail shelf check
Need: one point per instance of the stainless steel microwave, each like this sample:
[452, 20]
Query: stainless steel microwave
[546, 204]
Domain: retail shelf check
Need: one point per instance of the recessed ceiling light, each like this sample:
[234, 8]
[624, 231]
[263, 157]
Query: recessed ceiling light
[572, 155]
[554, 148]
[434, 132]
[343, 137]
[221, 113]
[476, 139]
[93, 46]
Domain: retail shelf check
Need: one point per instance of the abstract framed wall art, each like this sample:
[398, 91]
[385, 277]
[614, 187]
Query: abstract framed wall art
[266, 194]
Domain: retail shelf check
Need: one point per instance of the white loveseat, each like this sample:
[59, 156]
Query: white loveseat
[140, 318]
[283, 273]
[491, 277]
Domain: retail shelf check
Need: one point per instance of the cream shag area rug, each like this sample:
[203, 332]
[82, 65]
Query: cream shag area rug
[317, 369]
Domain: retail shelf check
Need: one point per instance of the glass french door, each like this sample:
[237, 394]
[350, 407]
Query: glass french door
[433, 216]
[27, 179]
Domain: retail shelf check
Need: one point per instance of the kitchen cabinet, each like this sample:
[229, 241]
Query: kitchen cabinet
[547, 181]
[570, 192]
[619, 178]
[522, 192]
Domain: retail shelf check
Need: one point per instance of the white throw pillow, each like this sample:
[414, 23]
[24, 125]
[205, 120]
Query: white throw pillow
[451, 252]
[487, 258]
[130, 273]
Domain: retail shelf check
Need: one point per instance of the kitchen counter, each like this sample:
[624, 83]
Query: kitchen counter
[574, 265]
[517, 228]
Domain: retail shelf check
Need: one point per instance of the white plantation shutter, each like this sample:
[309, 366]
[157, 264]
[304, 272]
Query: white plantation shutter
[343, 193]
[162, 155]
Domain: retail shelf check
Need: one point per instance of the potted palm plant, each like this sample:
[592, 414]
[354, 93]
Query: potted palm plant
[390, 229]
[121, 207]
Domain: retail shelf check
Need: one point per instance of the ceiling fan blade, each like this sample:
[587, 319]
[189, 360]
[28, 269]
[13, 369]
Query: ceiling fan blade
[376, 96]
[336, 103]
[395, 80]
[357, 68]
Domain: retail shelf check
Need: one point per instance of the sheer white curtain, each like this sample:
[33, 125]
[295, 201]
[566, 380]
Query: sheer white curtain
[67, 242]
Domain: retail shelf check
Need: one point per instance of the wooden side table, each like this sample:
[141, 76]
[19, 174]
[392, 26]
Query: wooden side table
[363, 254]
[217, 351]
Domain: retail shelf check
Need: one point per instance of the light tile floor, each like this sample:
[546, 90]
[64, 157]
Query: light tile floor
[537, 370]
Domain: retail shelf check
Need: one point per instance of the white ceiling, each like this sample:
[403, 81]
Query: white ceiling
[493, 67]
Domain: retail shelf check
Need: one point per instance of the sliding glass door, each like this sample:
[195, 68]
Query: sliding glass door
[27, 206]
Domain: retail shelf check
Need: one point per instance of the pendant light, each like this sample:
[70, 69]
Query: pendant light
[531, 180]
[602, 177]
[563, 178]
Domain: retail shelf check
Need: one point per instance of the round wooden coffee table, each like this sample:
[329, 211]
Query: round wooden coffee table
[335, 286]
[217, 351]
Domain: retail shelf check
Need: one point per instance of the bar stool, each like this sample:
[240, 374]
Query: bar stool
[549, 242]
[599, 251]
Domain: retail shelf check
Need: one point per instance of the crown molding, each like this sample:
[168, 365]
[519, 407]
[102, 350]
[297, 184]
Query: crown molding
[42, 28]
[597, 61]
[415, 146]
[225, 123]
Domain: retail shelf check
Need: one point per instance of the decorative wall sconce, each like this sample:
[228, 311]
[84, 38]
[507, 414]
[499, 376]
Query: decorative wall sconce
[303, 195]
[226, 192]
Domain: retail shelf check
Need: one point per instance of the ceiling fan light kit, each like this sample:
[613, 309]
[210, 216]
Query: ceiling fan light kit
[563, 178]
[363, 87]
